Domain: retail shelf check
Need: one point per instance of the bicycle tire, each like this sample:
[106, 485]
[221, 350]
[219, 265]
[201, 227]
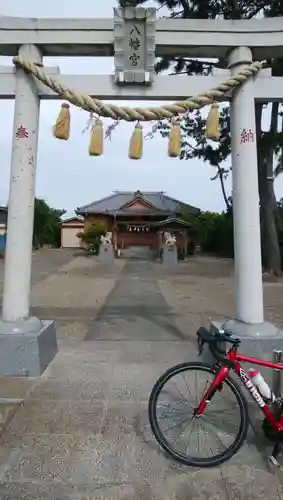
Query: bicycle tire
[162, 441]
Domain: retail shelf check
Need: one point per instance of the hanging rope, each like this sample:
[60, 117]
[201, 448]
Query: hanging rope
[139, 114]
[61, 130]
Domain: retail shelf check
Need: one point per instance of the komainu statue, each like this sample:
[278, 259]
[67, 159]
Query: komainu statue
[107, 239]
[170, 240]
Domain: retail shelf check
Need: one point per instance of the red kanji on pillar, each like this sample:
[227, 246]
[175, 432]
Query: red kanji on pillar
[246, 136]
[243, 136]
[22, 133]
[251, 136]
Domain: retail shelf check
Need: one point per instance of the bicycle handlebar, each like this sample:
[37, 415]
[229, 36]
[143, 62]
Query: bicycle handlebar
[219, 355]
[213, 338]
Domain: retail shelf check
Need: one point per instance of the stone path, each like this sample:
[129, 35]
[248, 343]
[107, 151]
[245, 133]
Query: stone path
[135, 309]
[83, 431]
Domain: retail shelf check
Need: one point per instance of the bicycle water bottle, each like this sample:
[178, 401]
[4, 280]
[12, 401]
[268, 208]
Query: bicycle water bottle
[262, 386]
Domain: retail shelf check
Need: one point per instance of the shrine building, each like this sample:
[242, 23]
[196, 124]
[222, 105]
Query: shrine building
[139, 219]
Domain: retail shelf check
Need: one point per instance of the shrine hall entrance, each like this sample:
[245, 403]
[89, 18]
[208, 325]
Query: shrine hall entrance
[136, 252]
[137, 241]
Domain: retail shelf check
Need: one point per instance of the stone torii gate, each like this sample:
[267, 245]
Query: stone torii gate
[28, 344]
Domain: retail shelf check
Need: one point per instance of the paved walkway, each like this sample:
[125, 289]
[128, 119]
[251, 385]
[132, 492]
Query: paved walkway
[135, 309]
[83, 431]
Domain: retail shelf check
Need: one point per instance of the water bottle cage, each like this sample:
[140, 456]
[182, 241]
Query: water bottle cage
[268, 401]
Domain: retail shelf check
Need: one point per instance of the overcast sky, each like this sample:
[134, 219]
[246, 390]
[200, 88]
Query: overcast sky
[66, 176]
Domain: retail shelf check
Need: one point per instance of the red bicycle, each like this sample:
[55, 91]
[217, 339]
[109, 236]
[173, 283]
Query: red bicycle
[189, 409]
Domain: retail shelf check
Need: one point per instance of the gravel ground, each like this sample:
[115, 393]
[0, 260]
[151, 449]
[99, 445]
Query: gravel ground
[203, 289]
[75, 284]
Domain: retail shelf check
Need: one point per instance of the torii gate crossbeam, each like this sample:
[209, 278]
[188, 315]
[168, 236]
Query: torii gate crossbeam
[201, 38]
[165, 88]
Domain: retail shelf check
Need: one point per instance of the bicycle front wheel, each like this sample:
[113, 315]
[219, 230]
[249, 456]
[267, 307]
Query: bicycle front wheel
[220, 430]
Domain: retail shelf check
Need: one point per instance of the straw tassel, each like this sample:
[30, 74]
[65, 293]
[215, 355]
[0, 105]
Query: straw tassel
[136, 143]
[96, 139]
[212, 124]
[61, 129]
[174, 143]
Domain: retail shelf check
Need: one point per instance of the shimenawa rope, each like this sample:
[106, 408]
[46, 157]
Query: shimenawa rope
[137, 114]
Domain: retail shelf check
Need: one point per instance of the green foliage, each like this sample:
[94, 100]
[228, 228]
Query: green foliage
[213, 232]
[191, 247]
[47, 224]
[216, 233]
[91, 236]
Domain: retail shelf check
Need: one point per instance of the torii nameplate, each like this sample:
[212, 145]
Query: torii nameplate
[134, 45]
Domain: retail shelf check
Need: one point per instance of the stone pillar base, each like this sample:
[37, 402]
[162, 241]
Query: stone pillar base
[27, 347]
[106, 254]
[170, 255]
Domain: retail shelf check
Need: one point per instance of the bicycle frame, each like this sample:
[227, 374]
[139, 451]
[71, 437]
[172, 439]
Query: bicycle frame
[233, 361]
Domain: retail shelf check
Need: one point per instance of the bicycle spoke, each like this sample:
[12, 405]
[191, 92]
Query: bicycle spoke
[198, 439]
[216, 435]
[194, 421]
[163, 414]
[210, 435]
[205, 437]
[176, 424]
[182, 432]
[184, 420]
[185, 403]
[220, 420]
[183, 376]
[167, 405]
[196, 402]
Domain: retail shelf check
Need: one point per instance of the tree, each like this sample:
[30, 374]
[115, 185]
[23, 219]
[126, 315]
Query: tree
[269, 143]
[213, 231]
[47, 224]
[91, 236]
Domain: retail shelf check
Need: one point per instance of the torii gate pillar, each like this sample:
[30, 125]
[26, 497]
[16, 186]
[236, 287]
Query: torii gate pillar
[245, 194]
[27, 345]
[257, 336]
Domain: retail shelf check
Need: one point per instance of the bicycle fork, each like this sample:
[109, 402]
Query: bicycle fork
[213, 388]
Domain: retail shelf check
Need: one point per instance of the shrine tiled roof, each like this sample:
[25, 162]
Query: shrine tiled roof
[118, 203]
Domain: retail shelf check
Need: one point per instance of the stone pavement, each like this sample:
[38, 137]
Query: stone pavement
[83, 430]
[44, 262]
